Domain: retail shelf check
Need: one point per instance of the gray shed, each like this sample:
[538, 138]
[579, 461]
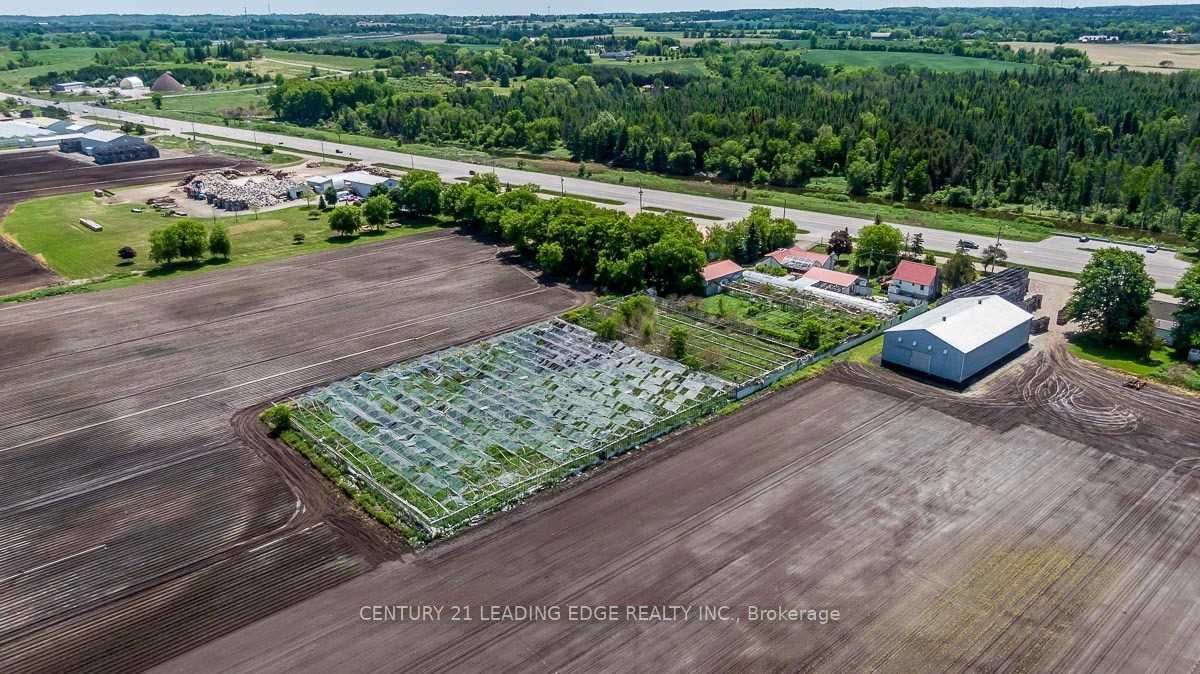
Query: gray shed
[958, 339]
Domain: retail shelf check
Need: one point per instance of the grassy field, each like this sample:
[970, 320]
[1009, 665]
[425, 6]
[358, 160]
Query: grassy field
[321, 60]
[937, 62]
[1161, 365]
[49, 228]
[1147, 57]
[49, 60]
[204, 108]
[241, 151]
[686, 66]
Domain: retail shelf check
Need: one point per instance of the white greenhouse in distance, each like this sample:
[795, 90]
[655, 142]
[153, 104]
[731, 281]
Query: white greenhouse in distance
[959, 339]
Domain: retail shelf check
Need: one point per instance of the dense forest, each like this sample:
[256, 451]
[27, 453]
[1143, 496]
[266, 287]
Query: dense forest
[1043, 24]
[1118, 145]
[1131, 24]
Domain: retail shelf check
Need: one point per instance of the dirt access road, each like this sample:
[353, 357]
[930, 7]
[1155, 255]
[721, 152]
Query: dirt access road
[1050, 526]
[133, 522]
[28, 175]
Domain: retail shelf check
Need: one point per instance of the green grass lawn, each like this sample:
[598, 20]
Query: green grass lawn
[241, 151]
[321, 60]
[1123, 357]
[879, 59]
[49, 228]
[49, 60]
[204, 108]
[1161, 366]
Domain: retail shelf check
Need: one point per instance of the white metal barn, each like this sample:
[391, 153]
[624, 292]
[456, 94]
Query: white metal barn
[958, 339]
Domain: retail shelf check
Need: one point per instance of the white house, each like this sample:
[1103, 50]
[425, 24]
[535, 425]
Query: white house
[914, 282]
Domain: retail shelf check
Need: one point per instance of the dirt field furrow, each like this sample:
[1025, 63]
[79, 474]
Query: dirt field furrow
[135, 524]
[952, 534]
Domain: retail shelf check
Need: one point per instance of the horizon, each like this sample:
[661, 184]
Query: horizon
[74, 8]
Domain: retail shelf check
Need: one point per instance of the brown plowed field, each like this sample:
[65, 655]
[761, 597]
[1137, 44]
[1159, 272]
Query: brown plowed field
[134, 524]
[28, 175]
[1048, 526]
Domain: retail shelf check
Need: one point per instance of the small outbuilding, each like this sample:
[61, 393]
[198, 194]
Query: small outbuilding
[959, 339]
[716, 273]
[837, 281]
[796, 259]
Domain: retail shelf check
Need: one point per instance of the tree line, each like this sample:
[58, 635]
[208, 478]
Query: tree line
[1113, 147]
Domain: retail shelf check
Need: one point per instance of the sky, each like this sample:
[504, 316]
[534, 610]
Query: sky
[470, 7]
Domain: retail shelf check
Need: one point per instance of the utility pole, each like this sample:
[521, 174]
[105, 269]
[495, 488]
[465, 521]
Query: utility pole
[640, 199]
[562, 187]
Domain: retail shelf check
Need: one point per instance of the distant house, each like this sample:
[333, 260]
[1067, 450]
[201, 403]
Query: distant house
[618, 55]
[796, 259]
[64, 87]
[461, 77]
[838, 282]
[1099, 38]
[881, 35]
[716, 273]
[914, 282]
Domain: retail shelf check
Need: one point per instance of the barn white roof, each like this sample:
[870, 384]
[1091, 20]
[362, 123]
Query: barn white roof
[968, 322]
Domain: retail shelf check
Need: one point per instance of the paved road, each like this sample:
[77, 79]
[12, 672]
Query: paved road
[1056, 252]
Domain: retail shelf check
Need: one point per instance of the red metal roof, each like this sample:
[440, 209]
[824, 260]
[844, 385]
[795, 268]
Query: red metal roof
[915, 272]
[836, 278]
[720, 269]
[781, 255]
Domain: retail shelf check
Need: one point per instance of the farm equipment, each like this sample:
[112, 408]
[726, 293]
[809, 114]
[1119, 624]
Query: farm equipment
[1137, 383]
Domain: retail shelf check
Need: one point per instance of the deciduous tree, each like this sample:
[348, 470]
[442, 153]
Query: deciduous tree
[1112, 294]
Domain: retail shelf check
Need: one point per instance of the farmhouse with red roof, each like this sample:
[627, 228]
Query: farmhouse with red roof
[914, 282]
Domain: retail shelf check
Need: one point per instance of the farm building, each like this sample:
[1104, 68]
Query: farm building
[358, 182]
[716, 273]
[914, 282]
[109, 147]
[1163, 314]
[796, 259]
[132, 82]
[958, 339]
[64, 87]
[837, 281]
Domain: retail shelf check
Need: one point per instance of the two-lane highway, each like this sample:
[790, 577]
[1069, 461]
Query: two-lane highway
[1056, 252]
